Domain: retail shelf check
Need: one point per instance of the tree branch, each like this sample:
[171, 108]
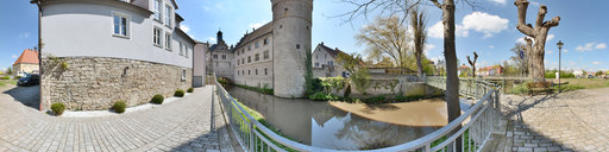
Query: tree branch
[436, 3]
[522, 18]
[541, 15]
[553, 22]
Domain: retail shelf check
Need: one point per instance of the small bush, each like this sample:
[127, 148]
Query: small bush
[374, 100]
[119, 106]
[401, 98]
[58, 108]
[190, 90]
[5, 78]
[179, 93]
[157, 99]
[321, 96]
[64, 65]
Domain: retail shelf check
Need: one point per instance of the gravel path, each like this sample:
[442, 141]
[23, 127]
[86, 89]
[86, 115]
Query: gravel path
[178, 126]
[571, 121]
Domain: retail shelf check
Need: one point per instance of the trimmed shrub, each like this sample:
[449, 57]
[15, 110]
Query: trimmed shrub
[58, 108]
[157, 99]
[119, 106]
[321, 96]
[190, 90]
[179, 93]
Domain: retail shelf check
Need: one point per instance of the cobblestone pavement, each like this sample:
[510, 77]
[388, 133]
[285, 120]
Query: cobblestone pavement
[571, 121]
[184, 125]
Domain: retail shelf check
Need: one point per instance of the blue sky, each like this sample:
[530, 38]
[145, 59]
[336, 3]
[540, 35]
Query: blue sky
[488, 29]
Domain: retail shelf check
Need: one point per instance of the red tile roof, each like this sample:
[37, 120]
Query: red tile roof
[28, 56]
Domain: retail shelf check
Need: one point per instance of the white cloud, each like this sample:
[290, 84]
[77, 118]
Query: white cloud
[185, 28]
[428, 47]
[476, 21]
[565, 51]
[212, 40]
[549, 51]
[485, 23]
[437, 31]
[491, 46]
[550, 37]
[14, 56]
[596, 62]
[255, 25]
[502, 2]
[521, 40]
[601, 46]
[591, 46]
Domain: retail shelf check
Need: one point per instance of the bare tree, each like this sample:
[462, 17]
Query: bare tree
[539, 34]
[417, 21]
[473, 63]
[386, 37]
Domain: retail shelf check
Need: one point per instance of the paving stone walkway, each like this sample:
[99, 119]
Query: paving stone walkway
[571, 121]
[184, 125]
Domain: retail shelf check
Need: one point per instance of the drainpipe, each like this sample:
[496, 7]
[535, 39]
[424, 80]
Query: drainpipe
[40, 69]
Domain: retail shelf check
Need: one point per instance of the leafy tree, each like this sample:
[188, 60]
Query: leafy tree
[9, 71]
[418, 27]
[386, 37]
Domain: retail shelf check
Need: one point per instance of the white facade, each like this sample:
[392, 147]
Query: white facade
[254, 60]
[85, 28]
[324, 60]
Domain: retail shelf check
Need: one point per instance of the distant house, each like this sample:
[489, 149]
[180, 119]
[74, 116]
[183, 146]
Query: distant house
[464, 69]
[324, 62]
[495, 70]
[26, 63]
[578, 73]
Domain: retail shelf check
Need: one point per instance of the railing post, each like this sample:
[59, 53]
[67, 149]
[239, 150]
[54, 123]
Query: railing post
[251, 134]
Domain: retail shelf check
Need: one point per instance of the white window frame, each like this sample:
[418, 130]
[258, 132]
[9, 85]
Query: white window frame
[168, 17]
[181, 49]
[158, 10]
[183, 75]
[187, 50]
[157, 36]
[127, 25]
[167, 41]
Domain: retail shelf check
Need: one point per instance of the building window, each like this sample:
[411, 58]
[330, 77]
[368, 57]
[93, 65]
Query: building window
[238, 53]
[168, 15]
[181, 49]
[183, 75]
[256, 71]
[157, 36]
[257, 57]
[249, 47]
[266, 41]
[121, 25]
[330, 63]
[215, 56]
[168, 41]
[186, 51]
[316, 64]
[257, 44]
[297, 46]
[157, 10]
[223, 56]
[266, 71]
[249, 59]
[249, 72]
[242, 51]
[266, 54]
[243, 61]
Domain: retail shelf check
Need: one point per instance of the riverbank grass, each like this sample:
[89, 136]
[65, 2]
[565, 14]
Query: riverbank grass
[7, 82]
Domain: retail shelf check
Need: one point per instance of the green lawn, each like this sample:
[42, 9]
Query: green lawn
[587, 83]
[7, 82]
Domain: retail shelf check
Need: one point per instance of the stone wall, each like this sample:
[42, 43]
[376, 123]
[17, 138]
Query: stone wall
[91, 83]
[407, 85]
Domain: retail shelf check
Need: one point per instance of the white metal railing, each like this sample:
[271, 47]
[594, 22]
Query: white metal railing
[470, 131]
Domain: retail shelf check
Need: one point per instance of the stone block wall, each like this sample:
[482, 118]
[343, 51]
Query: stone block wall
[93, 83]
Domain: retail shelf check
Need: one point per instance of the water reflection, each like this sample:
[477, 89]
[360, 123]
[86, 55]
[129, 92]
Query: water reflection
[319, 124]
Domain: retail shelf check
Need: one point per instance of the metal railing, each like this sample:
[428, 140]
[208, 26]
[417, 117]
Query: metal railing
[472, 129]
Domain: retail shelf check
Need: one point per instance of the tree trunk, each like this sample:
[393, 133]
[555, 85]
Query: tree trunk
[450, 55]
[419, 64]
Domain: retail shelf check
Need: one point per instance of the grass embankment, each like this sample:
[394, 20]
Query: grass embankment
[7, 82]
[260, 118]
[569, 84]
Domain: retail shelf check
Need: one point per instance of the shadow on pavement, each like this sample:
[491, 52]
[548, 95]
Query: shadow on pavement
[29, 96]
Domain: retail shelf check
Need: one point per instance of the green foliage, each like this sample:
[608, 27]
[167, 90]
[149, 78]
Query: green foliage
[321, 96]
[333, 83]
[374, 100]
[5, 78]
[375, 145]
[361, 80]
[58, 108]
[264, 90]
[309, 80]
[179, 93]
[347, 91]
[9, 71]
[190, 90]
[519, 89]
[64, 65]
[568, 87]
[17, 77]
[563, 74]
[401, 98]
[157, 99]
[119, 106]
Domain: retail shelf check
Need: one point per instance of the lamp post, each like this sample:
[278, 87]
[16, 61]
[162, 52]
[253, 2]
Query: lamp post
[560, 44]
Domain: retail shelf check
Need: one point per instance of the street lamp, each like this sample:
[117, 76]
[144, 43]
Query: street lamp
[559, 44]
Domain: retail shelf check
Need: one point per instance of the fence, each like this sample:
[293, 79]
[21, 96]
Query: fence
[471, 130]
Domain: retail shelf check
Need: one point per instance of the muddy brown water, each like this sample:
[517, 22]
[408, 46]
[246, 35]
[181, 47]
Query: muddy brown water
[322, 125]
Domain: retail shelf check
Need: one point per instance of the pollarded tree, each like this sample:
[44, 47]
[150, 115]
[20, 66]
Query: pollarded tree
[539, 34]
[417, 21]
[473, 63]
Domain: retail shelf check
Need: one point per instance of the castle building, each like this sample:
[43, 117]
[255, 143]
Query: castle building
[272, 56]
[97, 52]
[220, 57]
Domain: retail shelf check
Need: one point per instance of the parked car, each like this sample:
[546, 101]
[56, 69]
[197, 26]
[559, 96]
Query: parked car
[28, 80]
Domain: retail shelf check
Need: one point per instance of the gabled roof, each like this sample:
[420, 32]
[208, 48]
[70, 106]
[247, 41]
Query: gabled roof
[28, 56]
[263, 30]
[333, 52]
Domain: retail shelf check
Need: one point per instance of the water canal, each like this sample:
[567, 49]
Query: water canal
[322, 125]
